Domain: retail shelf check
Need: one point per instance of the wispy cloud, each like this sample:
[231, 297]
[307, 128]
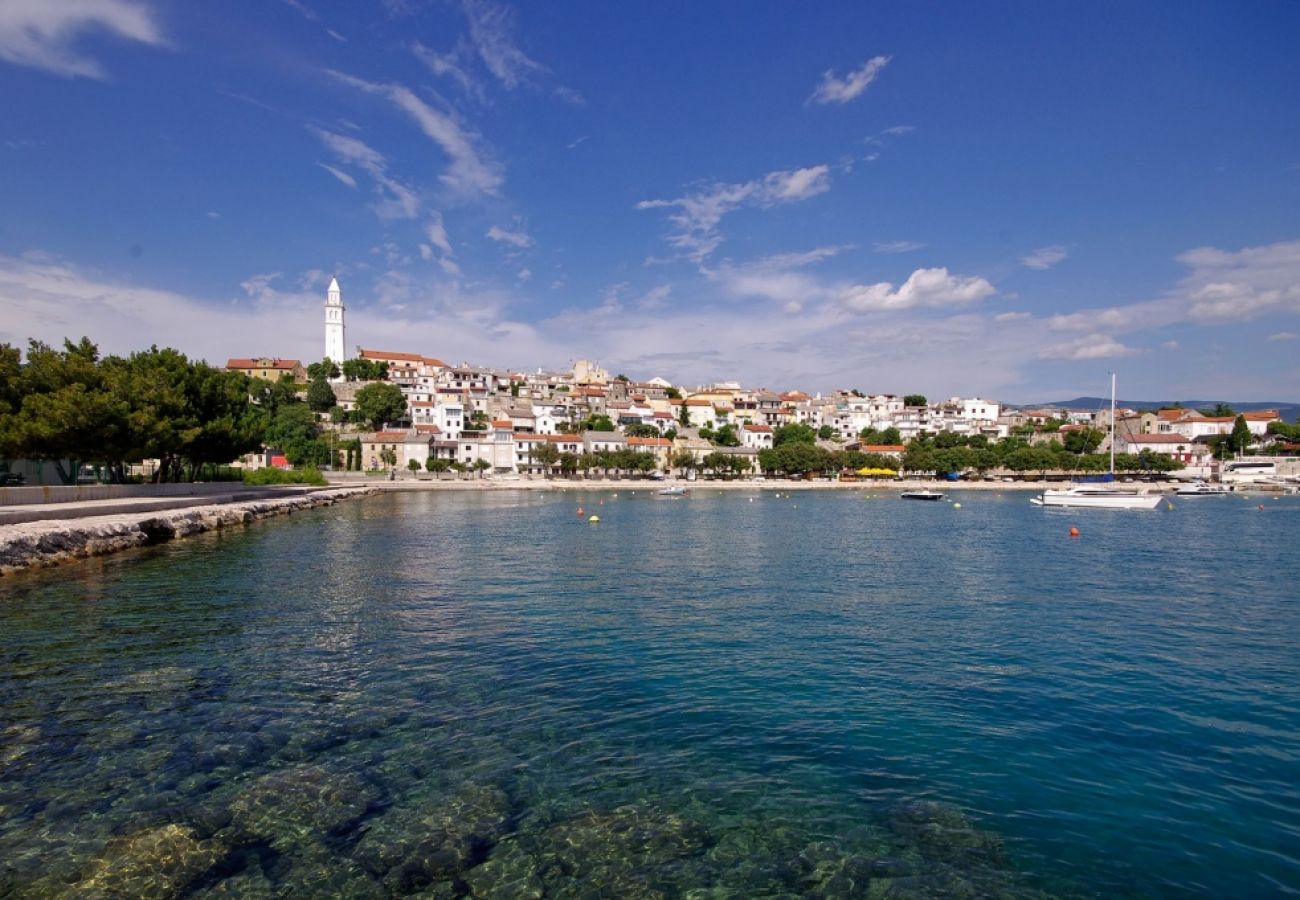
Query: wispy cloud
[303, 9]
[834, 89]
[1045, 257]
[896, 246]
[576, 142]
[437, 233]
[698, 215]
[1283, 336]
[453, 64]
[41, 33]
[491, 28]
[924, 287]
[518, 238]
[1091, 346]
[397, 200]
[468, 173]
[342, 176]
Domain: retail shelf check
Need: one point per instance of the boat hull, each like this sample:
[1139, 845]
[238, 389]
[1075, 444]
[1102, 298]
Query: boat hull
[1079, 501]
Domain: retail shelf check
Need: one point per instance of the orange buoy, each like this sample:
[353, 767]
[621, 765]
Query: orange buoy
[1261, 506]
[579, 510]
[1074, 532]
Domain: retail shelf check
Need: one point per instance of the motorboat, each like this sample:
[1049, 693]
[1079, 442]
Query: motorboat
[1202, 489]
[672, 490]
[1097, 497]
[925, 494]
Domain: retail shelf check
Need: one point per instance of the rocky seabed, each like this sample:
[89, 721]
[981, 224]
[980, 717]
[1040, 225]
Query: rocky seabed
[31, 545]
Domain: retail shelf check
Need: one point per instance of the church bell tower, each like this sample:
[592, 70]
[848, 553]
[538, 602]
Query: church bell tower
[334, 309]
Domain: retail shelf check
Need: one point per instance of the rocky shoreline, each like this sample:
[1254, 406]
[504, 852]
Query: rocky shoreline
[34, 545]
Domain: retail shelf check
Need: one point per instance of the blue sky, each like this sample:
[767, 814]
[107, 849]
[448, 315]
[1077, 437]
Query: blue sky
[945, 198]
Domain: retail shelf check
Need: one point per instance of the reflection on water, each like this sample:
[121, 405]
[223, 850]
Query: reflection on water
[820, 696]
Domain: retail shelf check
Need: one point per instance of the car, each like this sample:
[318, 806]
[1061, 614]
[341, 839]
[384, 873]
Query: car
[12, 479]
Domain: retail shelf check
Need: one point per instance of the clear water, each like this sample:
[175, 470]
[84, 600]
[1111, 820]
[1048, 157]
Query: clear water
[740, 695]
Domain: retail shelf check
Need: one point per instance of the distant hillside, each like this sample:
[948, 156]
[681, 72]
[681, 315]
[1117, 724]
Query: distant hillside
[1287, 411]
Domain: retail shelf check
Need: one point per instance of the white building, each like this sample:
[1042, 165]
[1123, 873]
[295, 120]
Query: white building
[335, 344]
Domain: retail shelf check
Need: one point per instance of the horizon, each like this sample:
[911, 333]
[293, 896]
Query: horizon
[911, 200]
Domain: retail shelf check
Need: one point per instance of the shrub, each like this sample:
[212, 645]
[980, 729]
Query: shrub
[270, 475]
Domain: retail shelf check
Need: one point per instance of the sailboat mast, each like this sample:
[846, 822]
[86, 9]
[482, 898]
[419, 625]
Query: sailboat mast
[1112, 423]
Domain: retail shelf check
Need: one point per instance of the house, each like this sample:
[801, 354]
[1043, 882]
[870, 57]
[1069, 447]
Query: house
[756, 437]
[599, 441]
[406, 444]
[1177, 446]
[527, 445]
[662, 449]
[894, 451]
[270, 368]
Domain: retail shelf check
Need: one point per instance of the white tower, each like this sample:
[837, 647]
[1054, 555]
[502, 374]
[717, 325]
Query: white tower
[334, 309]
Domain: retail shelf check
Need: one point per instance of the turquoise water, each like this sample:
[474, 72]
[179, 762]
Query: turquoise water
[742, 695]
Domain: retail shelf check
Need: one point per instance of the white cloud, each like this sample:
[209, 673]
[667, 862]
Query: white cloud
[449, 266]
[213, 214]
[896, 246]
[834, 89]
[41, 33]
[490, 28]
[1045, 257]
[1283, 336]
[1091, 346]
[453, 64]
[1244, 284]
[924, 287]
[303, 9]
[396, 200]
[517, 238]
[437, 233]
[525, 274]
[342, 176]
[1012, 317]
[468, 172]
[698, 215]
[655, 298]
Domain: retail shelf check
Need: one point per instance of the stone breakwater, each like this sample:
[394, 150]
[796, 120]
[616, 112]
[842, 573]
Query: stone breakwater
[31, 545]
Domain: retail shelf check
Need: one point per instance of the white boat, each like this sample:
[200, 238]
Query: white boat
[1202, 489]
[1097, 496]
[926, 494]
[673, 490]
[1100, 496]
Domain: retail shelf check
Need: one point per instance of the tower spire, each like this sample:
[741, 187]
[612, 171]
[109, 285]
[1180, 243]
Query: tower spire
[335, 342]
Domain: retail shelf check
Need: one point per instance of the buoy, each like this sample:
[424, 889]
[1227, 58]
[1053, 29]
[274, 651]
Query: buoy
[956, 506]
[1074, 532]
[602, 503]
[579, 510]
[594, 519]
[1261, 506]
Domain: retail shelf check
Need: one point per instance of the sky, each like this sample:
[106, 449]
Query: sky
[1008, 201]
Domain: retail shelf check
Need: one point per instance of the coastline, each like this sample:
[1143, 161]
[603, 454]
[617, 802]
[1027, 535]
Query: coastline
[52, 542]
[703, 486]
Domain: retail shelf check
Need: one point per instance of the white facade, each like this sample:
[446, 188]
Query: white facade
[335, 342]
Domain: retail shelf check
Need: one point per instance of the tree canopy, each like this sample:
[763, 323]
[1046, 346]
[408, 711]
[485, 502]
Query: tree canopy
[378, 404]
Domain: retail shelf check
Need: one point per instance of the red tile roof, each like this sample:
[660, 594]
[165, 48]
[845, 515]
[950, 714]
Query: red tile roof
[761, 429]
[263, 363]
[649, 442]
[883, 448]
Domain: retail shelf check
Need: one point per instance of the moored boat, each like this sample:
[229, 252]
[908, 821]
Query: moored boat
[925, 494]
[1097, 497]
[673, 490]
[1202, 489]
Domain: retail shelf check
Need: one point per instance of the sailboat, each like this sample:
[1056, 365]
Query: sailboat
[1099, 496]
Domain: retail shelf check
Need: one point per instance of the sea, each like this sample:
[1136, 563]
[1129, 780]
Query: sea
[742, 694]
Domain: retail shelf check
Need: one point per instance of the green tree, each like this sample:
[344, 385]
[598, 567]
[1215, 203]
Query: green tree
[413, 465]
[1085, 440]
[683, 415]
[325, 370]
[388, 456]
[826, 432]
[320, 396]
[683, 459]
[600, 422]
[672, 393]
[364, 370]
[1241, 437]
[794, 433]
[726, 437]
[914, 400]
[547, 455]
[380, 403]
[481, 466]
[641, 431]
[295, 432]
[437, 466]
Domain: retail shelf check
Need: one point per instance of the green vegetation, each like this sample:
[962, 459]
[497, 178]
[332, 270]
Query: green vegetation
[378, 404]
[644, 431]
[888, 436]
[364, 370]
[794, 433]
[947, 453]
[914, 400]
[71, 406]
[320, 396]
[269, 475]
[324, 370]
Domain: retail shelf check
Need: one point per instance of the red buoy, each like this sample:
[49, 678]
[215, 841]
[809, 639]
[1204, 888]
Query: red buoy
[1074, 532]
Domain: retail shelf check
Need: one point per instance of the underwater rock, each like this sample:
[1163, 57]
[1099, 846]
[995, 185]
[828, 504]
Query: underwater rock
[411, 847]
[160, 862]
[510, 872]
[942, 831]
[301, 803]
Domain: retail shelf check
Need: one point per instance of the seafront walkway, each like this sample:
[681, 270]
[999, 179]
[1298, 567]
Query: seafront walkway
[13, 511]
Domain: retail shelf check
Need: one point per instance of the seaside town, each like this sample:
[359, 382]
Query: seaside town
[399, 413]
[436, 416]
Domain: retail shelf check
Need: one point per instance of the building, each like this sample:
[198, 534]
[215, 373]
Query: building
[271, 368]
[756, 437]
[335, 341]
[409, 444]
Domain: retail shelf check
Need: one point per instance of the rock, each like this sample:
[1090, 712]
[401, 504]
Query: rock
[161, 862]
[288, 806]
[942, 831]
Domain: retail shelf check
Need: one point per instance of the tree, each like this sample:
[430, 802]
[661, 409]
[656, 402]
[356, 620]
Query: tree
[683, 415]
[794, 433]
[481, 466]
[320, 396]
[1241, 437]
[364, 370]
[641, 431]
[914, 400]
[438, 466]
[672, 393]
[547, 456]
[1085, 440]
[325, 370]
[726, 437]
[826, 432]
[683, 459]
[599, 422]
[413, 465]
[380, 403]
[388, 456]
